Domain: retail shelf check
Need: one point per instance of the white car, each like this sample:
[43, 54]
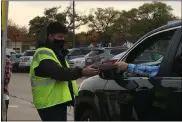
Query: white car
[77, 62]
[11, 51]
[26, 59]
[119, 56]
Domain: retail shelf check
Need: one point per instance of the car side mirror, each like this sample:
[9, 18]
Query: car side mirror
[118, 78]
[106, 74]
[107, 71]
[124, 82]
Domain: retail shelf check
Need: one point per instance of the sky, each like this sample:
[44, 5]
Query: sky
[21, 12]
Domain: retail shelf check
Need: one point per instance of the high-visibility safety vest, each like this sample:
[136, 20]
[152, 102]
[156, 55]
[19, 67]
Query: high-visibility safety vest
[46, 91]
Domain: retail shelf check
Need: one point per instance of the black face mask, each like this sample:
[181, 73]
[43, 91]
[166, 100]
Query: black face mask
[58, 44]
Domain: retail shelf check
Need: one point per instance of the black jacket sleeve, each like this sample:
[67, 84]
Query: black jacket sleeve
[49, 68]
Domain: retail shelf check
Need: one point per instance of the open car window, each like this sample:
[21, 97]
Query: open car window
[28, 53]
[152, 49]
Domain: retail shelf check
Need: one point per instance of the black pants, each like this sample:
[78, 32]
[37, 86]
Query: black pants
[55, 113]
[7, 103]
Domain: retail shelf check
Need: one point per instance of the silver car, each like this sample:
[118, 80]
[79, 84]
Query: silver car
[26, 59]
[100, 54]
[78, 53]
[77, 62]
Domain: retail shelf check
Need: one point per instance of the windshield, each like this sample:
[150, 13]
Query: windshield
[28, 53]
[95, 52]
[117, 51]
[18, 55]
[79, 52]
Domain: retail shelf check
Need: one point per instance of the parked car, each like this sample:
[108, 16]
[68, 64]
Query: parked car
[70, 50]
[78, 52]
[11, 51]
[15, 59]
[26, 59]
[115, 95]
[101, 54]
[77, 62]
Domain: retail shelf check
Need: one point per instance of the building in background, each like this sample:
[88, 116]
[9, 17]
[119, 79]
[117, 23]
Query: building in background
[19, 46]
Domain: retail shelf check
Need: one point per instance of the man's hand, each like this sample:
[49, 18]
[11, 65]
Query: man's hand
[121, 65]
[89, 71]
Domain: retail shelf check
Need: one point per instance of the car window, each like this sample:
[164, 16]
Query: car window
[18, 55]
[76, 52]
[144, 56]
[117, 51]
[156, 56]
[149, 56]
[119, 56]
[85, 52]
[13, 53]
[155, 51]
[177, 64]
[95, 52]
[28, 53]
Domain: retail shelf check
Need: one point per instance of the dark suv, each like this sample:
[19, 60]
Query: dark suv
[116, 96]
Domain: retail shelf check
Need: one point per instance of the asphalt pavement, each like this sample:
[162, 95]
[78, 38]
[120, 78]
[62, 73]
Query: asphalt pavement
[21, 106]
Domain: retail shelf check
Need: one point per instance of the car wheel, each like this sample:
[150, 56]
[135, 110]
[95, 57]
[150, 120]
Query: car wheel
[89, 115]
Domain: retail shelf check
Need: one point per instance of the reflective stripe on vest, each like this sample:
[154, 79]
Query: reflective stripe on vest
[44, 82]
[41, 83]
[42, 52]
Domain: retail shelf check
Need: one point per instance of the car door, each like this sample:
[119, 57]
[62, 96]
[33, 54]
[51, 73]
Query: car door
[168, 88]
[164, 98]
[130, 97]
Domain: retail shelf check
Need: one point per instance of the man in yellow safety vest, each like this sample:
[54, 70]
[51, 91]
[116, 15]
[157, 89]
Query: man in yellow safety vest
[53, 81]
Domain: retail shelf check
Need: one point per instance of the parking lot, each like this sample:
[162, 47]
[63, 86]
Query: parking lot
[21, 107]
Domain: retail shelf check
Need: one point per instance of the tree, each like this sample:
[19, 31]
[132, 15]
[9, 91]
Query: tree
[16, 32]
[85, 38]
[151, 16]
[102, 19]
[38, 24]
[135, 23]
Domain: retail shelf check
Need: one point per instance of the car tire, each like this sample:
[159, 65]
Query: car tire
[89, 115]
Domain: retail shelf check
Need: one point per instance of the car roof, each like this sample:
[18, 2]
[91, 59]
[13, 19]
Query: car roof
[80, 48]
[114, 48]
[97, 48]
[30, 50]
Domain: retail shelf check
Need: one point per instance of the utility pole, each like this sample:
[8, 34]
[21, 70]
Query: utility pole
[73, 24]
[4, 24]
[15, 40]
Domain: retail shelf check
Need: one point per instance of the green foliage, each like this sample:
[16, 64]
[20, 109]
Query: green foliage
[106, 24]
[39, 24]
